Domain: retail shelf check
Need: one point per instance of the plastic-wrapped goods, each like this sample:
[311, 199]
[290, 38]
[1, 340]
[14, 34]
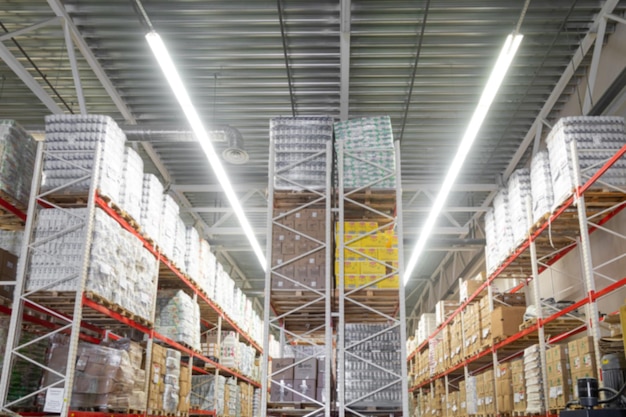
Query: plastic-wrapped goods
[151, 206]
[120, 269]
[18, 151]
[207, 268]
[171, 380]
[224, 287]
[597, 139]
[203, 392]
[132, 184]
[256, 402]
[11, 241]
[502, 221]
[4, 330]
[541, 185]
[178, 317]
[362, 379]
[192, 253]
[534, 380]
[425, 327]
[491, 242]
[180, 236]
[300, 144]
[71, 142]
[232, 404]
[169, 221]
[369, 140]
[518, 193]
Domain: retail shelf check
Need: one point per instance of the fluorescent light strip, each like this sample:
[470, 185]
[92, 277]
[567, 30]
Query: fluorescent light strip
[489, 93]
[171, 74]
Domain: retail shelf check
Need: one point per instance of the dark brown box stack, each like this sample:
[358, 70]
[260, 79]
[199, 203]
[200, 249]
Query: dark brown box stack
[8, 270]
[287, 245]
[282, 380]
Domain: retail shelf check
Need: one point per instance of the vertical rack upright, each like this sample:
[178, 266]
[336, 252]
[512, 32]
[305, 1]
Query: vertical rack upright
[299, 311]
[369, 315]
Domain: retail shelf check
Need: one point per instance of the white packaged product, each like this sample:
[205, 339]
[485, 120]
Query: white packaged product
[178, 254]
[534, 380]
[171, 380]
[541, 185]
[11, 241]
[18, 152]
[71, 143]
[178, 317]
[132, 184]
[207, 269]
[503, 225]
[151, 207]
[192, 253]
[169, 221]
[597, 138]
[518, 193]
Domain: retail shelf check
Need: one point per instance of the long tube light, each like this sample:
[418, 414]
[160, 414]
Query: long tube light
[173, 78]
[486, 99]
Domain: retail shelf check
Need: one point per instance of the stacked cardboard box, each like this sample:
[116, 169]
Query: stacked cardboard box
[560, 390]
[489, 392]
[453, 404]
[442, 354]
[443, 309]
[456, 341]
[246, 397]
[504, 384]
[467, 287]
[582, 359]
[519, 385]
[369, 255]
[462, 411]
[425, 327]
[306, 272]
[282, 372]
[232, 404]
[136, 398]
[472, 325]
[505, 322]
[485, 322]
[184, 394]
[471, 395]
[156, 385]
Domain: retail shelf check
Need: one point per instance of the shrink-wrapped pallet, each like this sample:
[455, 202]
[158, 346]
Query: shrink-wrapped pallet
[518, 194]
[17, 162]
[541, 185]
[192, 253]
[169, 221]
[371, 159]
[207, 268]
[535, 398]
[178, 317]
[151, 207]
[71, 143]
[131, 184]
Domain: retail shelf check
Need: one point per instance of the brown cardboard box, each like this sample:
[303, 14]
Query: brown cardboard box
[585, 345]
[279, 392]
[572, 347]
[282, 369]
[305, 388]
[557, 353]
[8, 266]
[306, 369]
[559, 391]
[505, 321]
[504, 403]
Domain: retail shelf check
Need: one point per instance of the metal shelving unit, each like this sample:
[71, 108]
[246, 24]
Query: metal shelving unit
[300, 314]
[81, 315]
[586, 211]
[366, 304]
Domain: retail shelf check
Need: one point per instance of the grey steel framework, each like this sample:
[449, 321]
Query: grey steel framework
[39, 298]
[353, 307]
[283, 317]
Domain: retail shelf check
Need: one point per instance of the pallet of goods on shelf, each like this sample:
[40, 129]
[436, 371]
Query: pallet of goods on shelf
[178, 318]
[17, 163]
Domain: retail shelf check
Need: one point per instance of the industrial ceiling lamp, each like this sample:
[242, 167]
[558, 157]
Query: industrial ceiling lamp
[173, 78]
[489, 93]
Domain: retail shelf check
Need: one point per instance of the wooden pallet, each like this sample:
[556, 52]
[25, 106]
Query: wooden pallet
[290, 199]
[118, 309]
[127, 217]
[558, 326]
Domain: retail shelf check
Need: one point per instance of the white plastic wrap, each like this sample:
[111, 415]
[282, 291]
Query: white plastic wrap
[207, 268]
[75, 138]
[151, 207]
[192, 253]
[518, 192]
[17, 161]
[503, 224]
[541, 185]
[132, 184]
[178, 317]
[11, 241]
[534, 380]
[178, 254]
[169, 221]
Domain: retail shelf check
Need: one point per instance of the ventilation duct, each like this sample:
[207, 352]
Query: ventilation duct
[234, 152]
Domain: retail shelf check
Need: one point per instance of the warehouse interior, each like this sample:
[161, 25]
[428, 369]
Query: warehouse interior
[422, 63]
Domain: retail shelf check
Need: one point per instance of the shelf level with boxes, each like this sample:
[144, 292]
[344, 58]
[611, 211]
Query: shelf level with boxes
[91, 269]
[574, 224]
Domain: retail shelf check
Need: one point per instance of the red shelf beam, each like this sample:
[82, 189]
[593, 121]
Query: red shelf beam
[579, 193]
[104, 206]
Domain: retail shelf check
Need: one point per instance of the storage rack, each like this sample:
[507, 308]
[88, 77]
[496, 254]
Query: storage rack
[590, 206]
[366, 303]
[301, 316]
[86, 316]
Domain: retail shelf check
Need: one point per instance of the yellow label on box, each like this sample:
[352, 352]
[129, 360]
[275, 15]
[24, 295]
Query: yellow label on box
[388, 254]
[370, 252]
[366, 279]
[391, 282]
[349, 267]
[349, 281]
[372, 268]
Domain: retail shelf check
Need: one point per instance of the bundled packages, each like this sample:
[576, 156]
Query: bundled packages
[178, 317]
[131, 189]
[17, 161]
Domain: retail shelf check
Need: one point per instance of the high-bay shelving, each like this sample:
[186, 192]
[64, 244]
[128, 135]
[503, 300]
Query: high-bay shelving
[50, 308]
[577, 219]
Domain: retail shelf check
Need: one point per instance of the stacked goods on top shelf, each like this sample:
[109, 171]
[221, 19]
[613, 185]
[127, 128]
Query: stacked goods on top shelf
[169, 220]
[120, 269]
[597, 139]
[151, 207]
[71, 141]
[17, 161]
[425, 327]
[296, 141]
[192, 253]
[363, 379]
[534, 381]
[541, 185]
[180, 238]
[502, 219]
[178, 317]
[207, 268]
[373, 135]
[131, 191]
[11, 241]
[518, 192]
[492, 248]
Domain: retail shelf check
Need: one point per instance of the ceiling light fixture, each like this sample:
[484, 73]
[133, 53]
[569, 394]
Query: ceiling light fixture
[173, 78]
[486, 99]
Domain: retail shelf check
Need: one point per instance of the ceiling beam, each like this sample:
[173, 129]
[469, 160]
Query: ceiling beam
[406, 187]
[84, 49]
[30, 28]
[24, 75]
[344, 58]
[216, 188]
